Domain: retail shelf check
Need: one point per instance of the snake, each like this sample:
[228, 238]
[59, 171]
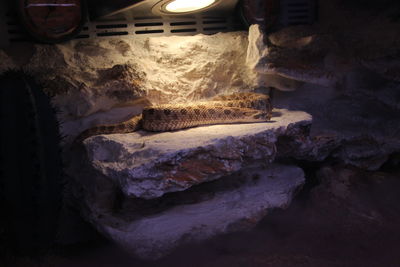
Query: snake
[242, 107]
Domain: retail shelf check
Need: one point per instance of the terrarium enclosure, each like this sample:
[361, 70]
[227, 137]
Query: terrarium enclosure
[329, 69]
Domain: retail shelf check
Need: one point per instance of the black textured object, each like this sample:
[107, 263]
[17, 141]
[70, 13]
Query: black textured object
[272, 15]
[30, 165]
[262, 12]
[298, 12]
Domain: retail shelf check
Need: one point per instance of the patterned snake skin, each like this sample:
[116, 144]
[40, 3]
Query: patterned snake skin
[234, 108]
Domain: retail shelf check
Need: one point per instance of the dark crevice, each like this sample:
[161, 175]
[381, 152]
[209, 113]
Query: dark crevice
[392, 164]
[139, 207]
[310, 169]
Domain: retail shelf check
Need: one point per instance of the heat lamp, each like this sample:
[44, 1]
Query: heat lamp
[176, 7]
[165, 8]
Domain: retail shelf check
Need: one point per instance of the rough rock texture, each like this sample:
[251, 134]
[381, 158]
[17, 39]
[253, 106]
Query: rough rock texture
[296, 58]
[108, 80]
[350, 87]
[229, 208]
[256, 48]
[5, 62]
[359, 125]
[151, 192]
[343, 40]
[148, 165]
[98, 74]
[341, 184]
[352, 219]
[346, 75]
[257, 51]
[349, 84]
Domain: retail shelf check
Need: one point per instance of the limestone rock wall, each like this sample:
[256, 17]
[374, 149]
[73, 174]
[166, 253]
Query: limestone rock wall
[234, 204]
[149, 165]
[99, 74]
[343, 70]
[108, 80]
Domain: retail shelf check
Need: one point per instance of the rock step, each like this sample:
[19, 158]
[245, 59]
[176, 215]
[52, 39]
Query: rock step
[148, 165]
[224, 211]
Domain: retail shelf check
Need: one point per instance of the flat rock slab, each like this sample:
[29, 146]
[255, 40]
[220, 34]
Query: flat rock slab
[148, 165]
[239, 207]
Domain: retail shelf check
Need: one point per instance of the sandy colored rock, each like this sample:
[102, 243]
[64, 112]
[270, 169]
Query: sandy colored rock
[232, 209]
[148, 165]
[89, 76]
[256, 48]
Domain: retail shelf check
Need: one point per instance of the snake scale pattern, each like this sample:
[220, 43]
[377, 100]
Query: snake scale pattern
[223, 109]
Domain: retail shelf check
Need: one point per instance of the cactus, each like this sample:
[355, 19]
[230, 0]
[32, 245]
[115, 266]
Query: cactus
[30, 164]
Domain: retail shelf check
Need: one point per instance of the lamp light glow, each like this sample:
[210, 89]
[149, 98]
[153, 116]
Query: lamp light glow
[183, 6]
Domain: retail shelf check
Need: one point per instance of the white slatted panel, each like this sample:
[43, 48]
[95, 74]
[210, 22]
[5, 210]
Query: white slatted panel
[155, 26]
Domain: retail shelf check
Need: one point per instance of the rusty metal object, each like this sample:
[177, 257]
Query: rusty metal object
[52, 21]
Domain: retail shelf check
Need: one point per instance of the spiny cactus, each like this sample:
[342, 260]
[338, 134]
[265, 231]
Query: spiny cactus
[30, 164]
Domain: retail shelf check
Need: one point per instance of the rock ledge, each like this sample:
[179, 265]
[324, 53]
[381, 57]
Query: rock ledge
[148, 165]
[240, 208]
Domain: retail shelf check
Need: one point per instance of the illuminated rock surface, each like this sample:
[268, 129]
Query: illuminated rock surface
[151, 192]
[237, 203]
[91, 79]
[88, 76]
[148, 165]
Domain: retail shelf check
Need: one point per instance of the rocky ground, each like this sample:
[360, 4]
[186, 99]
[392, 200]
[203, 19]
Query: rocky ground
[344, 217]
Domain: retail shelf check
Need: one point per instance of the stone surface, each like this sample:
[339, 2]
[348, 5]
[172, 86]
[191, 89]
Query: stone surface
[360, 127]
[88, 76]
[231, 209]
[350, 87]
[256, 51]
[6, 62]
[256, 48]
[107, 80]
[151, 192]
[353, 190]
[148, 165]
[343, 70]
[323, 53]
[298, 58]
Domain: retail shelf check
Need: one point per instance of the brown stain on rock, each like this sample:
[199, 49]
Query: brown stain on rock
[196, 170]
